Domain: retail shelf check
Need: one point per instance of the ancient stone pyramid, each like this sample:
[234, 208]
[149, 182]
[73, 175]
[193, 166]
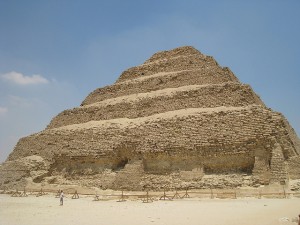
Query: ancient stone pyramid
[177, 120]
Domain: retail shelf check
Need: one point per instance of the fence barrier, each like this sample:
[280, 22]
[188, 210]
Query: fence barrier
[156, 195]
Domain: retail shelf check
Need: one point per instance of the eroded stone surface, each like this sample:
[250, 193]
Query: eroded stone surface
[178, 120]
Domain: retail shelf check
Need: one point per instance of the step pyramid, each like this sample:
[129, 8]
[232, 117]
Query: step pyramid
[178, 120]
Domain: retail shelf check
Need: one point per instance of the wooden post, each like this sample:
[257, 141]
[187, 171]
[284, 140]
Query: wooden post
[147, 199]
[122, 199]
[284, 193]
[58, 193]
[40, 193]
[176, 195]
[16, 193]
[75, 196]
[165, 197]
[211, 194]
[186, 195]
[24, 194]
[96, 197]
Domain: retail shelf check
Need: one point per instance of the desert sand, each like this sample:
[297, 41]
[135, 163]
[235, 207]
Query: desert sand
[46, 210]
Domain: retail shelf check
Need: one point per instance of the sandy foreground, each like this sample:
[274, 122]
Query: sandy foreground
[42, 210]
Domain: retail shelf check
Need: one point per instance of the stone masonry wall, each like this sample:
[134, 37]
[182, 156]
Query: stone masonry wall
[228, 94]
[294, 167]
[13, 173]
[208, 136]
[165, 80]
[291, 134]
[278, 166]
[171, 65]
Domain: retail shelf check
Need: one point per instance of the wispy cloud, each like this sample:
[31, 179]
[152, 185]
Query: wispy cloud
[3, 111]
[22, 79]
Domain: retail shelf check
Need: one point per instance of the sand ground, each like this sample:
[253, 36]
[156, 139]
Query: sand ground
[45, 210]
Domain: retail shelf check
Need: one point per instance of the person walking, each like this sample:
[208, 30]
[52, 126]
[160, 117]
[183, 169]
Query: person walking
[61, 197]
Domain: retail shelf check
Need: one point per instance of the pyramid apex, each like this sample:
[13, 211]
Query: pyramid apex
[177, 59]
[176, 52]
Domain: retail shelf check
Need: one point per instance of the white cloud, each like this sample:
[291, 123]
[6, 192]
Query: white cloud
[3, 110]
[21, 79]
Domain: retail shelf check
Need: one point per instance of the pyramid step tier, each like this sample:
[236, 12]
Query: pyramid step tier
[172, 64]
[170, 99]
[203, 132]
[161, 81]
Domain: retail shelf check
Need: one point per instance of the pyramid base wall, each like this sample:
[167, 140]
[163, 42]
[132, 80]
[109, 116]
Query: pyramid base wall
[294, 167]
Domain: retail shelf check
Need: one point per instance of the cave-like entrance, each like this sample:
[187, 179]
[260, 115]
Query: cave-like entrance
[124, 154]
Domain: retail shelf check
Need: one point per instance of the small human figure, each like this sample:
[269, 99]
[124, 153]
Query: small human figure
[61, 197]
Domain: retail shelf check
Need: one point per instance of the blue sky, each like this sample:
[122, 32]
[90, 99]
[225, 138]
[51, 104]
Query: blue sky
[54, 53]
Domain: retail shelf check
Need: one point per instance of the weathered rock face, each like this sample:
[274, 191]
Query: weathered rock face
[178, 120]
